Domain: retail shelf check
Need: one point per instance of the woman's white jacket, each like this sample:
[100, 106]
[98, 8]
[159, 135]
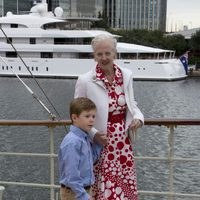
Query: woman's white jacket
[88, 86]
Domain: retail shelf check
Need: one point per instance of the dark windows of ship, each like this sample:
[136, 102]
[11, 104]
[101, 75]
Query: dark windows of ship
[9, 40]
[19, 68]
[47, 69]
[46, 55]
[6, 67]
[72, 40]
[36, 68]
[14, 25]
[11, 54]
[32, 40]
[85, 55]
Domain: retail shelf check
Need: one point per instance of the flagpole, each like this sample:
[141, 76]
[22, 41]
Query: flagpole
[17, 7]
[2, 8]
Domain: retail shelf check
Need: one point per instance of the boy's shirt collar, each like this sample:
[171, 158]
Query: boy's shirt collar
[79, 132]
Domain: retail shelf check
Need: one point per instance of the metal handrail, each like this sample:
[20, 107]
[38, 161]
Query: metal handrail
[169, 123]
[50, 123]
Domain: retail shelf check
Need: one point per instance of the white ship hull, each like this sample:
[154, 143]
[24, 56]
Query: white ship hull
[50, 49]
[166, 69]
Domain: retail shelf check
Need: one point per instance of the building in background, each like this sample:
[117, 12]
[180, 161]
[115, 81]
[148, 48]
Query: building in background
[136, 14]
[121, 14]
[81, 8]
[1, 8]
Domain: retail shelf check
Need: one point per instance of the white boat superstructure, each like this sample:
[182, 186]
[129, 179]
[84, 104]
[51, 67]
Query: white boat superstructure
[49, 48]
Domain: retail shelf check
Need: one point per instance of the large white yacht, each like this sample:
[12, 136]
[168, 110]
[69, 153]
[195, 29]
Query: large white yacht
[43, 42]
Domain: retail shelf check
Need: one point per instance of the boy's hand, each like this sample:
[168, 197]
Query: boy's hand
[101, 138]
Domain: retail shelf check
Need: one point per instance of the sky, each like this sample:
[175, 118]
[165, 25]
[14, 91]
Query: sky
[183, 13]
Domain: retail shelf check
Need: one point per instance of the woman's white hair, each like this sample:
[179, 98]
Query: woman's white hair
[100, 38]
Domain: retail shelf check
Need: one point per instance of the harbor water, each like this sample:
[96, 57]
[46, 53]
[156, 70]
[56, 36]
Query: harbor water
[178, 99]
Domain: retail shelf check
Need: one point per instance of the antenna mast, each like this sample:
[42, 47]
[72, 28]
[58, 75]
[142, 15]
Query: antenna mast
[2, 8]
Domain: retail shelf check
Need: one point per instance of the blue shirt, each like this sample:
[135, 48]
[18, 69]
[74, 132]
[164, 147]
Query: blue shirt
[76, 157]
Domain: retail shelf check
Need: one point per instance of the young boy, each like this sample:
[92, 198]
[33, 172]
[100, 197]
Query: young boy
[77, 154]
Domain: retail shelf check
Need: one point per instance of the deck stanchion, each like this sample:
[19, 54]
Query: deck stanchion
[2, 188]
[52, 177]
[171, 161]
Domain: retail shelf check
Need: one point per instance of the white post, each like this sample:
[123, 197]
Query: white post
[17, 7]
[2, 8]
[52, 179]
[171, 161]
[2, 188]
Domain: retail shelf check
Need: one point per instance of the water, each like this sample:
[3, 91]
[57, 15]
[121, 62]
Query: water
[178, 99]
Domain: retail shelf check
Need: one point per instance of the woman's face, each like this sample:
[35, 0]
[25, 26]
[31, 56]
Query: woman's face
[104, 53]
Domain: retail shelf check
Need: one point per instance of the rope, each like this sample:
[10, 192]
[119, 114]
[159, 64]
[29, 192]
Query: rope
[32, 75]
[53, 117]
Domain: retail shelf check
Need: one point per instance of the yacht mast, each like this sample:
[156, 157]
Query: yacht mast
[2, 8]
[17, 7]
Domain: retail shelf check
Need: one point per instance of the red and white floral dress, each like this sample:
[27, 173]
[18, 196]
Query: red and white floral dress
[115, 176]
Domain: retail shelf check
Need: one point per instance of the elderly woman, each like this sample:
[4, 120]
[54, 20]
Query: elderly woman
[110, 87]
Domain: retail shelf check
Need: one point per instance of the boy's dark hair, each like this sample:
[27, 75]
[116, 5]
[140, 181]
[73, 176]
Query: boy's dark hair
[81, 104]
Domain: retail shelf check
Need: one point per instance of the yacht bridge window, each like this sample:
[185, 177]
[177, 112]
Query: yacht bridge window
[9, 40]
[14, 25]
[11, 54]
[72, 40]
[86, 55]
[46, 55]
[32, 40]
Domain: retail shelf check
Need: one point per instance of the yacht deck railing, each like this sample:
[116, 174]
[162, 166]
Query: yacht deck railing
[171, 124]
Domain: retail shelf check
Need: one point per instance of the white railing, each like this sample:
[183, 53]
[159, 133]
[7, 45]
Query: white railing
[169, 123]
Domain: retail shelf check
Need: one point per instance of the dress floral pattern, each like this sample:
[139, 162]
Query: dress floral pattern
[115, 176]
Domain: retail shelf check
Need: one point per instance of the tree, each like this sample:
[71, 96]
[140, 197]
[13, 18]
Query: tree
[195, 41]
[176, 43]
[102, 23]
[195, 46]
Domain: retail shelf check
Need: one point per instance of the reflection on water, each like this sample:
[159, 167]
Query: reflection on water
[179, 99]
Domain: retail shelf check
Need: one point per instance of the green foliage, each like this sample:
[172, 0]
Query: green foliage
[155, 38]
[193, 59]
[102, 23]
[176, 43]
[195, 41]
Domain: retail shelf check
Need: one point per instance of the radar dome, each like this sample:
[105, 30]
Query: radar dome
[58, 11]
[38, 9]
[9, 13]
[41, 9]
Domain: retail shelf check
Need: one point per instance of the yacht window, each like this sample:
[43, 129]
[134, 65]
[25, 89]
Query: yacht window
[46, 55]
[7, 67]
[47, 69]
[85, 55]
[3, 67]
[72, 40]
[19, 68]
[9, 40]
[11, 54]
[36, 68]
[32, 68]
[32, 40]
[14, 25]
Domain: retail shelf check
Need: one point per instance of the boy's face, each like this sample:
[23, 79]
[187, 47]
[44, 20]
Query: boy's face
[85, 120]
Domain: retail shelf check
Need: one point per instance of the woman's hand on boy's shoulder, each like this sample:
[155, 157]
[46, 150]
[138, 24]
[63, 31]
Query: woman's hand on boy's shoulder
[101, 138]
